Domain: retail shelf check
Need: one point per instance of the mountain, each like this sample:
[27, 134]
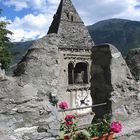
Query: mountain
[124, 34]
[18, 49]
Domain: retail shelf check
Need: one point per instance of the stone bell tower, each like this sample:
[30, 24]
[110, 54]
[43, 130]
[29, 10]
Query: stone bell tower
[74, 55]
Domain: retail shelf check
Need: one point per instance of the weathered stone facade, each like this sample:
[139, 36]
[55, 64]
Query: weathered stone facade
[74, 54]
[26, 113]
[68, 24]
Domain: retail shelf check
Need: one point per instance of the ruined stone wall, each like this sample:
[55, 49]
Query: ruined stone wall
[39, 64]
[26, 113]
[113, 83]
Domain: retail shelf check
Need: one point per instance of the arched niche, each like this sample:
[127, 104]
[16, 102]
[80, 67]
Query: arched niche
[78, 73]
[70, 16]
[81, 73]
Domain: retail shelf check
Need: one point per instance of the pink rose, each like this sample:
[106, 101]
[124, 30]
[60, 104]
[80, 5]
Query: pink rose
[69, 120]
[69, 117]
[69, 123]
[63, 105]
[66, 137]
[116, 127]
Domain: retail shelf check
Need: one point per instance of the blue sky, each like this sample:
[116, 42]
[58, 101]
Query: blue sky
[31, 19]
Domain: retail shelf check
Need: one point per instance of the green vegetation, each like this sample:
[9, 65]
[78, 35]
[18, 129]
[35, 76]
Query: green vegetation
[18, 50]
[5, 55]
[124, 34]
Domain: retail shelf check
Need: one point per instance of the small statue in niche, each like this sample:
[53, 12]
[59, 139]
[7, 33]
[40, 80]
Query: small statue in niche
[79, 77]
[70, 16]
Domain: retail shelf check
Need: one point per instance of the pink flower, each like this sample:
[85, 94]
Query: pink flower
[69, 120]
[69, 117]
[63, 105]
[69, 123]
[66, 137]
[116, 127]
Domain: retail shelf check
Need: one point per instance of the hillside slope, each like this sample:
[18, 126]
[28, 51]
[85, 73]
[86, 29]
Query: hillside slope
[124, 34]
[18, 49]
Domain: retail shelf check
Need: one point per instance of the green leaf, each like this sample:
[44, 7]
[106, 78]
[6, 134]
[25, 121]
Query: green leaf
[86, 133]
[5, 55]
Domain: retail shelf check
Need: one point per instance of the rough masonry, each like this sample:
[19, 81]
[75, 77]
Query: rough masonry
[66, 63]
[26, 113]
[112, 82]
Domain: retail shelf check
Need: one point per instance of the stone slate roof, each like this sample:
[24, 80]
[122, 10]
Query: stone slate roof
[69, 26]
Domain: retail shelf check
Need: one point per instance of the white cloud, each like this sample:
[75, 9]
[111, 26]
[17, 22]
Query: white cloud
[19, 5]
[55, 2]
[40, 5]
[93, 11]
[30, 21]
[30, 26]
[131, 12]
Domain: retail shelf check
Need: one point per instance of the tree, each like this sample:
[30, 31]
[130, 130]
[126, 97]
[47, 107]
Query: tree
[5, 55]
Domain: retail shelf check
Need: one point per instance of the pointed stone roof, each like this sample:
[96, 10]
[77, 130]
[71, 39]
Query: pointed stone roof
[68, 24]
